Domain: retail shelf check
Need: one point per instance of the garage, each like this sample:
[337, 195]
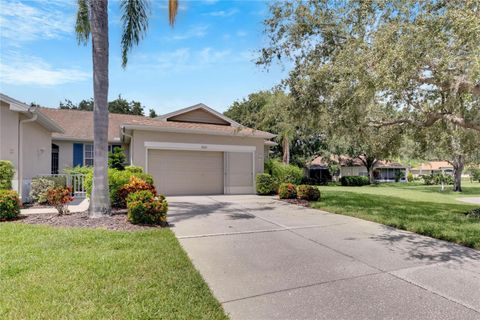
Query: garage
[182, 172]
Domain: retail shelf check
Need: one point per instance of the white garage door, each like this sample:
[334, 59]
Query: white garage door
[186, 172]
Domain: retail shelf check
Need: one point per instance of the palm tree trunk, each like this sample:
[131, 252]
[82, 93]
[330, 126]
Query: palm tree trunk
[100, 201]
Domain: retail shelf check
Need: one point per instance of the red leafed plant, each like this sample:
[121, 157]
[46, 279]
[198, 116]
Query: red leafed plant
[60, 198]
[135, 184]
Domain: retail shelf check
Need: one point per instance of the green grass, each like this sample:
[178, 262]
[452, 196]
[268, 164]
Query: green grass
[413, 207]
[69, 273]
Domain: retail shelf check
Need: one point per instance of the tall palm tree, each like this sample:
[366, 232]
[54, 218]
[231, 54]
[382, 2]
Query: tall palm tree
[92, 19]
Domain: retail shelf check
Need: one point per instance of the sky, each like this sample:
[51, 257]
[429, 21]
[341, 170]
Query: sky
[207, 57]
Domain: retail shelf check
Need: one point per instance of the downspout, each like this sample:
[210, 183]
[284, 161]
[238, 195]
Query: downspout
[131, 145]
[20, 147]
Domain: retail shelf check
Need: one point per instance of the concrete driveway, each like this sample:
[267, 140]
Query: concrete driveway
[265, 259]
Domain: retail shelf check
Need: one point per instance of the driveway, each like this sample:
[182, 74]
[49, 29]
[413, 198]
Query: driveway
[266, 259]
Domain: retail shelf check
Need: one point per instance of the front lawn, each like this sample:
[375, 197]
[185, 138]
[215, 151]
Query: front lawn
[70, 273]
[413, 207]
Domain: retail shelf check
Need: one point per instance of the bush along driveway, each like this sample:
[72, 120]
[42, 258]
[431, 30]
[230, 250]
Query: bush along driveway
[267, 259]
[71, 273]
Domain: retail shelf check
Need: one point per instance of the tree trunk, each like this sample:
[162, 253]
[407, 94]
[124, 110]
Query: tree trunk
[369, 163]
[100, 200]
[286, 150]
[371, 176]
[458, 165]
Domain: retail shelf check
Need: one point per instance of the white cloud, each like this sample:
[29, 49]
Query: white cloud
[194, 32]
[21, 22]
[23, 70]
[223, 13]
[209, 55]
[241, 33]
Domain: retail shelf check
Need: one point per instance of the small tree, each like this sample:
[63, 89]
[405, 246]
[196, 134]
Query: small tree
[117, 159]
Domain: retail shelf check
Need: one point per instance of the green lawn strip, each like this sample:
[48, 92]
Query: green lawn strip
[72, 273]
[436, 219]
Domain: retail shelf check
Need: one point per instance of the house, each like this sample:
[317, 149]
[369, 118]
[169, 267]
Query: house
[25, 140]
[192, 151]
[432, 167]
[384, 171]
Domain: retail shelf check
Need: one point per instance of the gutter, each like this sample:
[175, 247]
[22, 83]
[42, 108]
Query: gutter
[20, 149]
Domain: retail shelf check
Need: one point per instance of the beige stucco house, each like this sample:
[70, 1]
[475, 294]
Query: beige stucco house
[25, 140]
[192, 151]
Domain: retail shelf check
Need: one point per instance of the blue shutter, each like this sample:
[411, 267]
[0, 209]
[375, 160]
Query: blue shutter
[78, 154]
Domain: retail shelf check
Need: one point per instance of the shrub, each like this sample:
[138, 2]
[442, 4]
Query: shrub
[399, 175]
[117, 159]
[475, 174]
[437, 178]
[134, 169]
[306, 192]
[265, 184]
[145, 208]
[9, 204]
[134, 184]
[474, 213]
[354, 181]
[287, 191]
[7, 171]
[116, 180]
[59, 198]
[39, 188]
[283, 173]
[78, 170]
[410, 177]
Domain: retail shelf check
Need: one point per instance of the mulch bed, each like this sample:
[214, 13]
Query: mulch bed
[298, 202]
[117, 221]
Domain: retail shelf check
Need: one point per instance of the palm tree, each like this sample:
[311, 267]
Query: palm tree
[92, 19]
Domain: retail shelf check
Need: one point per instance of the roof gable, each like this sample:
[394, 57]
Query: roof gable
[199, 113]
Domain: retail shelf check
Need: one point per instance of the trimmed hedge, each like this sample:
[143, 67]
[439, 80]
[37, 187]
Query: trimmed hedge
[306, 192]
[437, 178]
[39, 188]
[283, 173]
[9, 205]
[145, 208]
[354, 181]
[287, 191]
[134, 169]
[7, 171]
[265, 184]
[116, 180]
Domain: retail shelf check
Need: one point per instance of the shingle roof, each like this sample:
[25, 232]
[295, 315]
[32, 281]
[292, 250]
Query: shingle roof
[78, 125]
[433, 165]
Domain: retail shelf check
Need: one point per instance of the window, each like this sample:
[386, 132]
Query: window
[88, 155]
[55, 150]
[112, 147]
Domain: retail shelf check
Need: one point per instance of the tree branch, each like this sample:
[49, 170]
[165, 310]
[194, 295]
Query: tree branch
[430, 120]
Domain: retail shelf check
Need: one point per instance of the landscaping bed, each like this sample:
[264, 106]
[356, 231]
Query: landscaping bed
[116, 221]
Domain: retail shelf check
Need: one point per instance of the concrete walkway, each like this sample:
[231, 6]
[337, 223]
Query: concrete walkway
[78, 205]
[265, 259]
[474, 200]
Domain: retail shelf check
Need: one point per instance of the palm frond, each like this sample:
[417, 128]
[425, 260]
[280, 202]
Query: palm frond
[135, 24]
[172, 11]
[82, 25]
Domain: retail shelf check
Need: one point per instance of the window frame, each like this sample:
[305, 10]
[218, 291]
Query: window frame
[85, 158]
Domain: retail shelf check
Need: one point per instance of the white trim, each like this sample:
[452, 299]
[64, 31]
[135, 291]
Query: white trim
[165, 117]
[198, 147]
[234, 133]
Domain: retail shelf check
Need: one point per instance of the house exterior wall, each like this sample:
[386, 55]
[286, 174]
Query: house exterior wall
[198, 115]
[9, 137]
[37, 150]
[353, 171]
[65, 152]
[140, 137]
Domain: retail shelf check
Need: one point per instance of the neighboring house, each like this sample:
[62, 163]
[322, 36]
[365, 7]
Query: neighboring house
[432, 167]
[192, 151]
[25, 140]
[384, 171]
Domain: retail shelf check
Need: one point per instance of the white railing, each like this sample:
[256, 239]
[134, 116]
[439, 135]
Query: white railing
[77, 183]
